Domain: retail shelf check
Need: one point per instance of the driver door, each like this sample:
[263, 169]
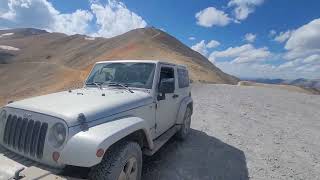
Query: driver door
[167, 106]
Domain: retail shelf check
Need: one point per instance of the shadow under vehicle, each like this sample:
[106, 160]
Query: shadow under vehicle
[200, 157]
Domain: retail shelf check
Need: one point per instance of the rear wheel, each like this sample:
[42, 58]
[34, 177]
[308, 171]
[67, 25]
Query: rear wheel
[183, 133]
[121, 162]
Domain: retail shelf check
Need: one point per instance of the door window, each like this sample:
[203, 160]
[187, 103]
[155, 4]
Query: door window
[183, 78]
[167, 74]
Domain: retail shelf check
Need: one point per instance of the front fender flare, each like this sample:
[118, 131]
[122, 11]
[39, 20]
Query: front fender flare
[81, 148]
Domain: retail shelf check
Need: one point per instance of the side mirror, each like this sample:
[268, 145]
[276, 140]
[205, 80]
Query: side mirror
[166, 86]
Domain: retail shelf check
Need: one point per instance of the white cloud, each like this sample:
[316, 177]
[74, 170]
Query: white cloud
[304, 41]
[3, 7]
[212, 17]
[192, 38]
[114, 19]
[74, 23]
[247, 70]
[272, 33]
[242, 54]
[269, 71]
[303, 51]
[307, 68]
[41, 14]
[23, 13]
[283, 36]
[315, 58]
[213, 44]
[250, 37]
[308, 64]
[302, 56]
[247, 61]
[290, 64]
[305, 37]
[300, 53]
[94, 1]
[202, 47]
[244, 7]
[313, 70]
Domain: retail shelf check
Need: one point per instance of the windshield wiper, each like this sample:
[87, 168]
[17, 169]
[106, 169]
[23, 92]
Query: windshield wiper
[121, 85]
[99, 85]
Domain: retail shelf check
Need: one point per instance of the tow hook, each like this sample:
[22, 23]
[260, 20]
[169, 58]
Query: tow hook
[17, 175]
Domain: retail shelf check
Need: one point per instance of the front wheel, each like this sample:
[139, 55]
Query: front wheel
[121, 162]
[183, 133]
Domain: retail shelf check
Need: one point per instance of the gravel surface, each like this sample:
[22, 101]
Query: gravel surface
[244, 133]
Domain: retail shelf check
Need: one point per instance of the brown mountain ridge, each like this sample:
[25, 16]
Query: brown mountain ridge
[45, 62]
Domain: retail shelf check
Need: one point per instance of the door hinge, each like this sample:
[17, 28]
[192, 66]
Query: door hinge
[156, 106]
[155, 126]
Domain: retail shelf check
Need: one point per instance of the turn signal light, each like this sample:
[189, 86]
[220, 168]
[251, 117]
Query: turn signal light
[100, 152]
[55, 156]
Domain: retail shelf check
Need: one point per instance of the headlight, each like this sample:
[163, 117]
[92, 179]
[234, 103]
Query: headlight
[57, 135]
[3, 117]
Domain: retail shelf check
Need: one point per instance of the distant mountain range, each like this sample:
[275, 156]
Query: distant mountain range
[306, 83]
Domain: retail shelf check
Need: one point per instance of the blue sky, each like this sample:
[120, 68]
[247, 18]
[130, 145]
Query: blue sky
[246, 38]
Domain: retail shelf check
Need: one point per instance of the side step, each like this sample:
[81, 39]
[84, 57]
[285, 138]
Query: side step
[161, 140]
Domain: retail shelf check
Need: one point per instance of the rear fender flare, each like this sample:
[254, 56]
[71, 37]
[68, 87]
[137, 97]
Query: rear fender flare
[182, 109]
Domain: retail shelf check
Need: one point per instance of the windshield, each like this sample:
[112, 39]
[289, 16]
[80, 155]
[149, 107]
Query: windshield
[131, 74]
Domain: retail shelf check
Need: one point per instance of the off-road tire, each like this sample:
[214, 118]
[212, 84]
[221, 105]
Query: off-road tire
[184, 131]
[114, 161]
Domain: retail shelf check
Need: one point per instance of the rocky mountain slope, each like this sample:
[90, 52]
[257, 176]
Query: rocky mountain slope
[34, 62]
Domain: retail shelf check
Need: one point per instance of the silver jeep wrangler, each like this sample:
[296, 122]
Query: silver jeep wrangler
[126, 109]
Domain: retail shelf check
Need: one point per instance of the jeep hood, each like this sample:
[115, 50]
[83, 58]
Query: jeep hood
[92, 102]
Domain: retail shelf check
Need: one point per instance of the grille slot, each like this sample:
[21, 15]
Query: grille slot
[6, 131]
[23, 133]
[35, 138]
[17, 133]
[43, 131]
[26, 135]
[12, 130]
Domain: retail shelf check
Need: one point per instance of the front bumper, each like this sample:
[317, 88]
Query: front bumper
[11, 162]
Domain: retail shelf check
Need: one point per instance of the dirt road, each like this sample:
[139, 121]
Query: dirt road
[244, 133]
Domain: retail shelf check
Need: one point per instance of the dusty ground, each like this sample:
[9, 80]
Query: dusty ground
[241, 133]
[244, 133]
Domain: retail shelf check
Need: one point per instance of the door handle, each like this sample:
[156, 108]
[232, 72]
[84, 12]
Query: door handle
[175, 96]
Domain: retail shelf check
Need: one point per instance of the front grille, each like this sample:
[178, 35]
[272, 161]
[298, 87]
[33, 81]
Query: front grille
[25, 135]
